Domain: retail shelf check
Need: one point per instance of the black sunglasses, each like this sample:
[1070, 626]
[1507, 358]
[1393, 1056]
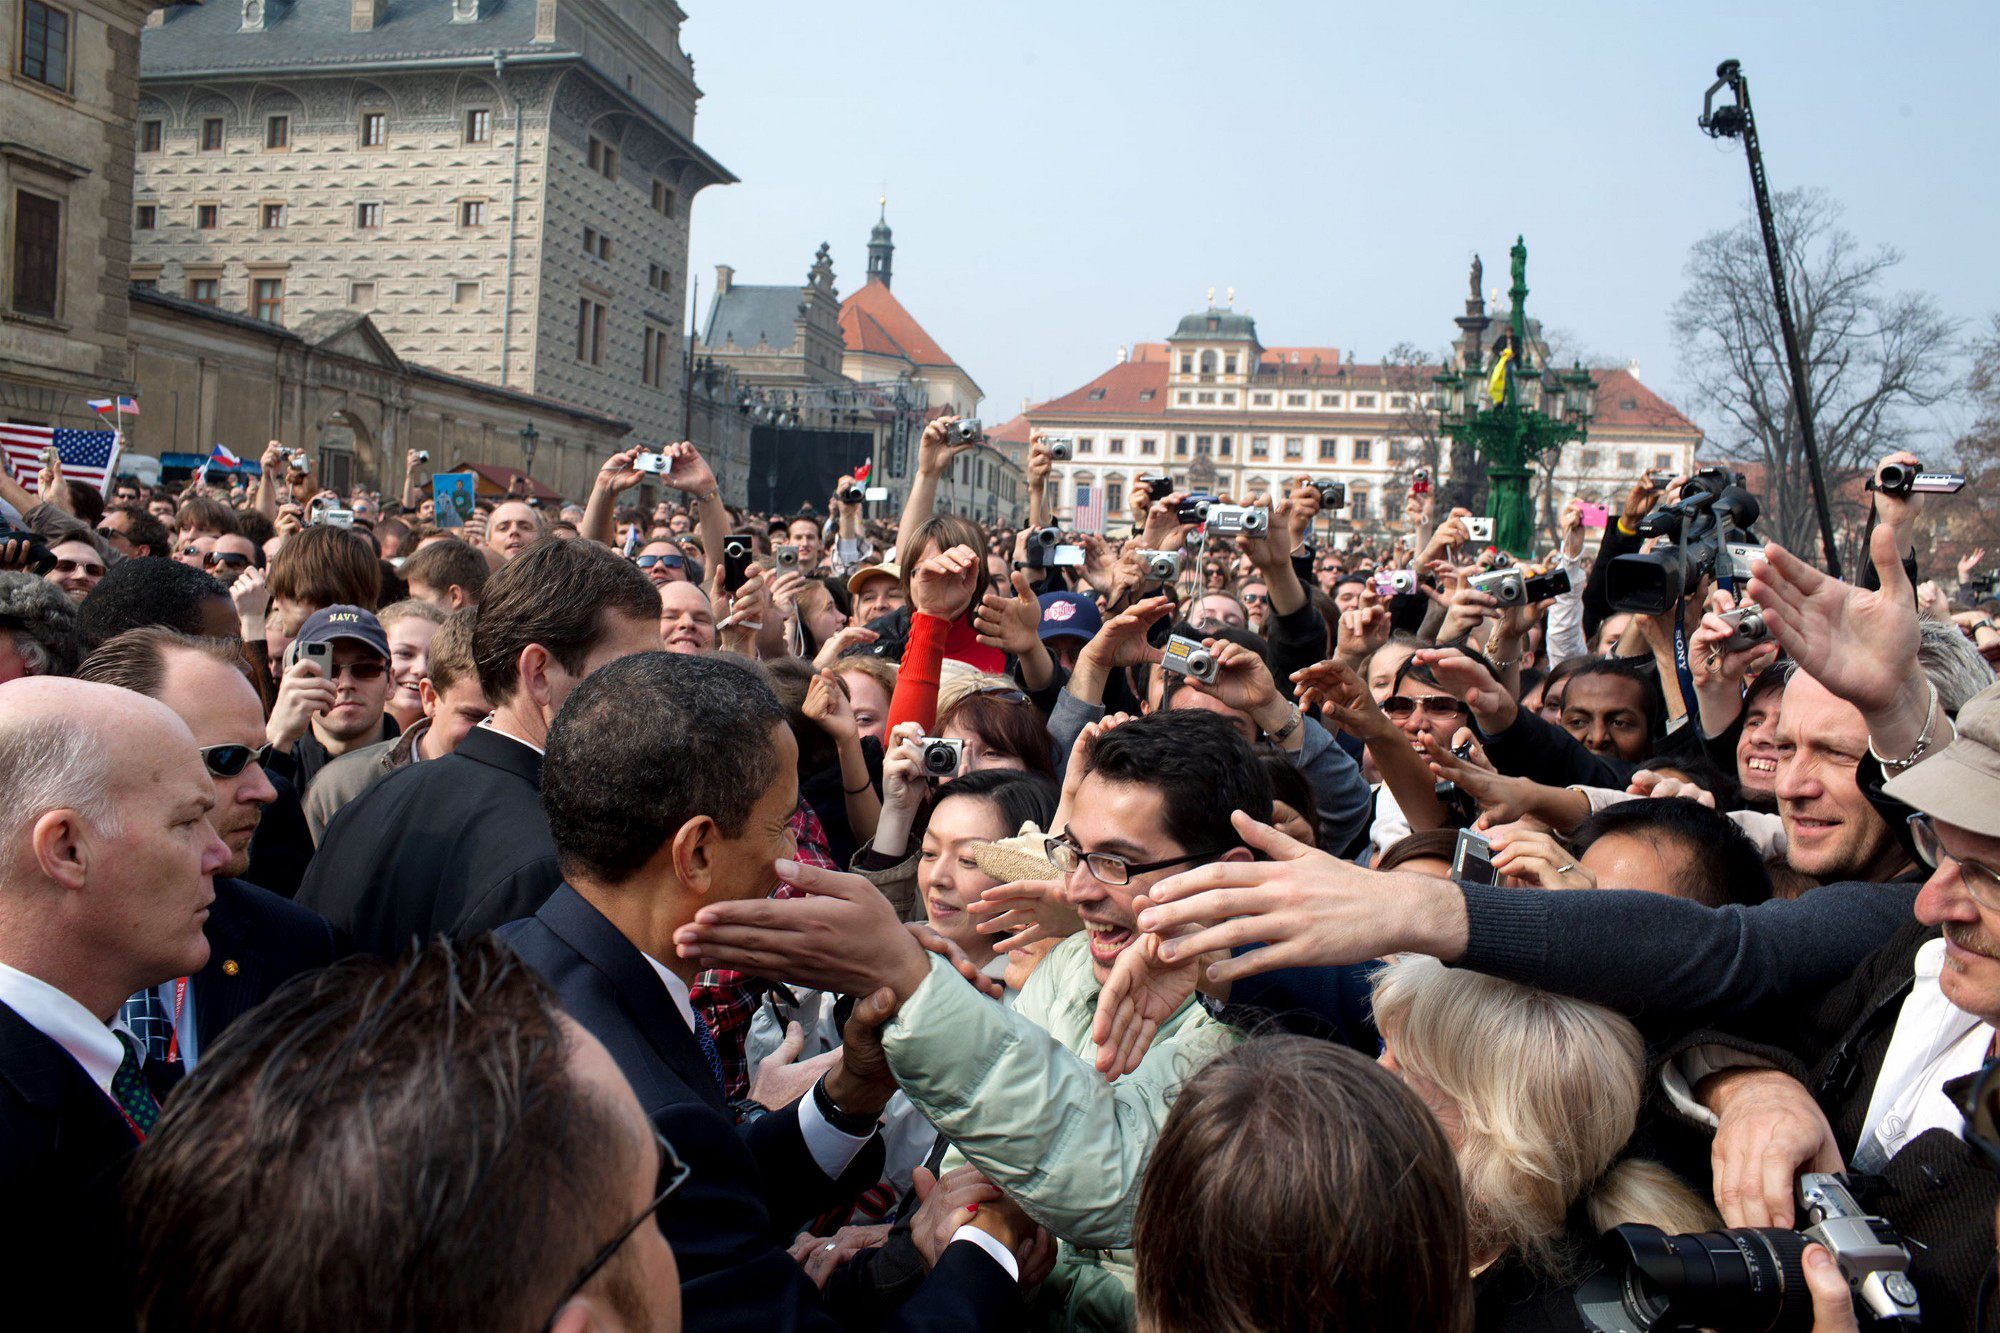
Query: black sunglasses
[226, 761]
[1402, 705]
[670, 561]
[232, 559]
[673, 1174]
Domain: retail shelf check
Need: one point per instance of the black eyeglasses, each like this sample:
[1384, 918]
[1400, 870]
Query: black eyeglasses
[670, 561]
[1402, 705]
[226, 761]
[1065, 855]
[673, 1174]
[232, 559]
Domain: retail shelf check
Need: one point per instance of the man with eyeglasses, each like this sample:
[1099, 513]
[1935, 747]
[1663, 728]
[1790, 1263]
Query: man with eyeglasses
[129, 530]
[78, 568]
[330, 706]
[525, 1182]
[230, 556]
[1019, 1091]
[663, 563]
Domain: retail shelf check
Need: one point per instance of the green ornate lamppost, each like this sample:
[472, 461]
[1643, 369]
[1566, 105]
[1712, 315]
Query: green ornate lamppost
[1512, 412]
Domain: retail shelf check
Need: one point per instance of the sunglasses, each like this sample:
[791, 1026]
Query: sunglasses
[1006, 694]
[191, 550]
[93, 569]
[1402, 705]
[358, 670]
[230, 559]
[226, 761]
[673, 1174]
[670, 561]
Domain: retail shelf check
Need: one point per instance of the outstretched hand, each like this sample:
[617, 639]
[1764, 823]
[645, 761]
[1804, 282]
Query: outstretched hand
[1142, 993]
[1856, 642]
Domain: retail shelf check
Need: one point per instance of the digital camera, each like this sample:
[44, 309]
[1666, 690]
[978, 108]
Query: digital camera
[1186, 657]
[1160, 566]
[1478, 529]
[939, 757]
[1750, 1277]
[850, 493]
[1061, 447]
[1472, 858]
[1194, 509]
[1157, 488]
[658, 464]
[1420, 482]
[1227, 520]
[296, 459]
[1510, 587]
[1332, 494]
[1045, 548]
[423, 455]
[1395, 582]
[964, 432]
[785, 557]
[1747, 626]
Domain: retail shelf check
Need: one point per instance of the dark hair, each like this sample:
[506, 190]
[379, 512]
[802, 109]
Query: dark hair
[448, 564]
[133, 593]
[205, 511]
[949, 531]
[556, 594]
[790, 679]
[254, 526]
[42, 620]
[1722, 865]
[324, 566]
[1143, 674]
[1296, 1184]
[1626, 668]
[1440, 843]
[378, 1145]
[1018, 797]
[1014, 729]
[142, 529]
[137, 659]
[1290, 785]
[1201, 766]
[1558, 675]
[84, 501]
[1772, 678]
[646, 744]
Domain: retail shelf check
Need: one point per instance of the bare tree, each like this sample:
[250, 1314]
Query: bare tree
[1967, 524]
[1407, 371]
[1872, 356]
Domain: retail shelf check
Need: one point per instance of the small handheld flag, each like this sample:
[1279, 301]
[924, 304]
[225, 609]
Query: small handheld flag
[120, 406]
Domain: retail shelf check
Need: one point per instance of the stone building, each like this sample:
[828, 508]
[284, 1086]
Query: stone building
[502, 186]
[70, 83]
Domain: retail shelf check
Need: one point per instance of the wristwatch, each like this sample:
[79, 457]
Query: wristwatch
[859, 1126]
[1284, 733]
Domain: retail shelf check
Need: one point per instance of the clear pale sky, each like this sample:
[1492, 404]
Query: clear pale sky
[1066, 178]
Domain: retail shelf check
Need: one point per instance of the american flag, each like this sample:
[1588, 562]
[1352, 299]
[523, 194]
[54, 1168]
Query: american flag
[87, 455]
[1089, 509]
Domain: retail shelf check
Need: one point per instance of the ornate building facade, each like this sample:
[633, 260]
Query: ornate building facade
[503, 188]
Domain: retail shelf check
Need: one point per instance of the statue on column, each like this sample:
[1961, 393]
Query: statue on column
[1478, 275]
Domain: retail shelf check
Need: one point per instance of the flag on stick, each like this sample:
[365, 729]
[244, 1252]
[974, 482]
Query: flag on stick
[89, 456]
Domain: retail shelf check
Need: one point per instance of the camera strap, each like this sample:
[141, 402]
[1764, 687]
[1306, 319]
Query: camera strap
[1686, 675]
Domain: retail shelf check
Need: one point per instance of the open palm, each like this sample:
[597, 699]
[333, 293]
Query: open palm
[1856, 642]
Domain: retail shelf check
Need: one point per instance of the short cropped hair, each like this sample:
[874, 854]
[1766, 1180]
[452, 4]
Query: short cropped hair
[409, 608]
[145, 592]
[137, 659]
[378, 1145]
[142, 529]
[450, 657]
[1296, 1184]
[448, 564]
[1201, 765]
[556, 594]
[326, 566]
[1722, 865]
[647, 743]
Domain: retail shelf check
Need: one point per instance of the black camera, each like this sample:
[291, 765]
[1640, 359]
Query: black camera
[1749, 1277]
[1712, 512]
[1157, 488]
[1045, 548]
[37, 558]
[849, 493]
[1903, 479]
[1332, 494]
[963, 432]
[1194, 509]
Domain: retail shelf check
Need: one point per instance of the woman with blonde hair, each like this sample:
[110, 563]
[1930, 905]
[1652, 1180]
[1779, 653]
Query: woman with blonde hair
[1538, 1095]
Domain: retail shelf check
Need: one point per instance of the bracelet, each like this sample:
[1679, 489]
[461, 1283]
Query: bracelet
[857, 1126]
[1284, 733]
[1923, 744]
[856, 791]
[704, 499]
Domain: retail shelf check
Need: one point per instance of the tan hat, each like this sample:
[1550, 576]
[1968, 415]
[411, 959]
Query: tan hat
[887, 569]
[1017, 858]
[1960, 784]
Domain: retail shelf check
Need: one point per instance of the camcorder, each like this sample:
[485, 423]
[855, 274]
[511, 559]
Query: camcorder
[39, 558]
[1045, 548]
[1747, 628]
[736, 556]
[658, 464]
[964, 432]
[1186, 657]
[1332, 494]
[785, 557]
[850, 493]
[1160, 566]
[1712, 512]
[1061, 447]
[1902, 479]
[329, 515]
[1510, 587]
[939, 757]
[1227, 520]
[1750, 1277]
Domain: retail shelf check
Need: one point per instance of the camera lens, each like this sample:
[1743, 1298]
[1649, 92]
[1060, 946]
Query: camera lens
[1749, 1279]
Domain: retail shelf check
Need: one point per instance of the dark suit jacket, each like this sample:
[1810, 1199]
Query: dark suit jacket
[64, 1148]
[257, 942]
[454, 846]
[282, 846]
[752, 1189]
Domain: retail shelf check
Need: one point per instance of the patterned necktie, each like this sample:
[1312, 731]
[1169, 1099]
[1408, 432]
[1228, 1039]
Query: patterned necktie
[131, 1091]
[707, 1044]
[150, 1022]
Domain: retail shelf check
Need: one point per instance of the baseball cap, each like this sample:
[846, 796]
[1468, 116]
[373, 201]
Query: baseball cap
[1069, 615]
[345, 622]
[1960, 784]
[887, 569]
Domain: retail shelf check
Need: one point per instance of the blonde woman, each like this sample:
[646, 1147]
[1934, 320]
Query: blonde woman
[1538, 1095]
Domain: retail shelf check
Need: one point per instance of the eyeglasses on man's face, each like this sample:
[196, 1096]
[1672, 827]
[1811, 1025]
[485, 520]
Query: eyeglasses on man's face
[1982, 882]
[226, 761]
[669, 561]
[1437, 705]
[90, 567]
[1065, 855]
[673, 1174]
[226, 559]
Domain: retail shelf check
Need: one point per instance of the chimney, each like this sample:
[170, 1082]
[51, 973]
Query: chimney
[1632, 368]
[723, 277]
[366, 14]
[1121, 354]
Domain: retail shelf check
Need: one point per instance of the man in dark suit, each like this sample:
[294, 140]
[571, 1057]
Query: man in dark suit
[654, 819]
[106, 855]
[460, 844]
[258, 940]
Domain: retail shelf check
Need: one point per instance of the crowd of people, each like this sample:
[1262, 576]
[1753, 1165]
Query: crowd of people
[592, 917]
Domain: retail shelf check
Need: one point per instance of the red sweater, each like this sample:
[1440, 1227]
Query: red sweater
[931, 641]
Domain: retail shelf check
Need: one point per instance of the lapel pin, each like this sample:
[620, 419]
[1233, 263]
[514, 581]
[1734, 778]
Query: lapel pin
[230, 967]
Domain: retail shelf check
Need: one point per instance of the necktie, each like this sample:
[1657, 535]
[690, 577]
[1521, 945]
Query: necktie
[707, 1044]
[130, 1090]
[150, 1022]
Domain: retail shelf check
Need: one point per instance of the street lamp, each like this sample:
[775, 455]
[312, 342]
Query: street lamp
[1531, 417]
[529, 437]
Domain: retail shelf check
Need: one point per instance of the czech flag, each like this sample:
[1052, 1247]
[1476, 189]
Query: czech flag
[225, 458]
[104, 407]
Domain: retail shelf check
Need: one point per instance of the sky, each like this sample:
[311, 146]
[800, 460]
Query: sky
[1067, 178]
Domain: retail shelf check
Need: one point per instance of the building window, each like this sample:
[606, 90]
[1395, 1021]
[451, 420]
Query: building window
[478, 126]
[211, 135]
[1147, 395]
[1225, 447]
[596, 244]
[1628, 461]
[653, 369]
[589, 332]
[663, 199]
[278, 132]
[45, 45]
[1205, 396]
[1229, 400]
[151, 136]
[1187, 363]
[267, 300]
[659, 279]
[204, 216]
[1295, 400]
[37, 253]
[1260, 446]
[1329, 449]
[1084, 444]
[1295, 447]
[466, 295]
[1114, 496]
[1149, 447]
[1208, 363]
[1591, 459]
[1399, 402]
[472, 212]
[1260, 400]
[1364, 451]
[374, 129]
[1364, 402]
[1663, 461]
[1329, 400]
[1183, 397]
[147, 218]
[1180, 446]
[361, 295]
[1357, 503]
[270, 217]
[368, 216]
[1229, 364]
[1204, 444]
[202, 291]
[148, 284]
[1117, 445]
[603, 158]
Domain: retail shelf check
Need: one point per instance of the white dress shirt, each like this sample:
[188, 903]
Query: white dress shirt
[56, 1015]
[1935, 1042]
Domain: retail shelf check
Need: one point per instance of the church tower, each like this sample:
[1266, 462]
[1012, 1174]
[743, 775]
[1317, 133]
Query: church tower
[881, 250]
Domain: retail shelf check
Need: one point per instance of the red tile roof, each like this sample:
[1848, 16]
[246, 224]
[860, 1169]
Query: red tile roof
[1122, 385]
[872, 320]
[1013, 432]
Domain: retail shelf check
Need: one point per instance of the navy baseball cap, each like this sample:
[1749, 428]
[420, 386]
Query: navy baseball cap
[345, 622]
[1069, 615]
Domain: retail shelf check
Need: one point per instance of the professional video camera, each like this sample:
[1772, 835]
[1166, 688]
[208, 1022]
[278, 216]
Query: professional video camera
[1712, 513]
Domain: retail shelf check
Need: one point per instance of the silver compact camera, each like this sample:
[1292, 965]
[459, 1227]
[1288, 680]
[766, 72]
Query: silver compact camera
[939, 757]
[1332, 494]
[1504, 586]
[1224, 520]
[1478, 529]
[1747, 628]
[423, 455]
[334, 518]
[659, 464]
[296, 458]
[1061, 447]
[964, 432]
[1186, 657]
[1160, 566]
[785, 557]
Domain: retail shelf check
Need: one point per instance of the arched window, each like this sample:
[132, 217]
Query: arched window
[1208, 363]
